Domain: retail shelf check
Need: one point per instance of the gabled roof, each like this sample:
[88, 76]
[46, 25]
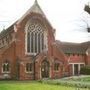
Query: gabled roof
[35, 8]
[74, 48]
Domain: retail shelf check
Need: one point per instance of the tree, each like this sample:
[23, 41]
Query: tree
[87, 9]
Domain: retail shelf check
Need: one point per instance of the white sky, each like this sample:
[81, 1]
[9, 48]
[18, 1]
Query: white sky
[66, 16]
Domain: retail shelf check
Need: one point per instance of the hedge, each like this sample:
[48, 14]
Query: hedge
[66, 83]
[85, 70]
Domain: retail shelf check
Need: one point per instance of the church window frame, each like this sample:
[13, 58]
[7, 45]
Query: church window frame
[36, 30]
[6, 67]
[29, 68]
[56, 66]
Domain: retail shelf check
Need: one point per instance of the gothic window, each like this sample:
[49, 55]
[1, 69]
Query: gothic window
[56, 66]
[6, 67]
[29, 67]
[35, 37]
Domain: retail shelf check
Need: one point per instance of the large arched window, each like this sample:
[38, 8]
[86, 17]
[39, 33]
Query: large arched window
[35, 37]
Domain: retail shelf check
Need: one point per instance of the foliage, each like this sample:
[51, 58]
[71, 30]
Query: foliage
[31, 86]
[68, 83]
[85, 70]
[74, 83]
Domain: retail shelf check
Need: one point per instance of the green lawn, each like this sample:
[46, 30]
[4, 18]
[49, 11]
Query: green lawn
[57, 84]
[18, 85]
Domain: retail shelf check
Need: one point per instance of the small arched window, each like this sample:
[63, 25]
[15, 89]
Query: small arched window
[6, 67]
[29, 67]
[56, 66]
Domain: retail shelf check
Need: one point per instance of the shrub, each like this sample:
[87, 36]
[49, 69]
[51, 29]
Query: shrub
[67, 84]
[85, 70]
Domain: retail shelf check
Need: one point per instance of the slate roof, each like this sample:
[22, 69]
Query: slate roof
[74, 48]
[6, 31]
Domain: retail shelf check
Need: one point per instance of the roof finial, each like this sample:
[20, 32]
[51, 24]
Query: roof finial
[36, 2]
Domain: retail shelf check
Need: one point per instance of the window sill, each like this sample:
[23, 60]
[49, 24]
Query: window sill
[29, 72]
[56, 70]
[5, 72]
[30, 53]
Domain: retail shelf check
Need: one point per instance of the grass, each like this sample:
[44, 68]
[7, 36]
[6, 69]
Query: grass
[41, 85]
[12, 85]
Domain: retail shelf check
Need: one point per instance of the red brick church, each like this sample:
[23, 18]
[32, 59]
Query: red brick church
[29, 51]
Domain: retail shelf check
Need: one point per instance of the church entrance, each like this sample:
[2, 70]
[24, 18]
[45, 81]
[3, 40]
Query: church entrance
[45, 69]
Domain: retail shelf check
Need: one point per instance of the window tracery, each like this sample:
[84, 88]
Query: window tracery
[35, 37]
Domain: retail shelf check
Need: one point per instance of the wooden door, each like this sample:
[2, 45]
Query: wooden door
[45, 69]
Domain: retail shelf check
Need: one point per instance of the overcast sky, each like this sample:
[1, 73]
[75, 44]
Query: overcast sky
[66, 16]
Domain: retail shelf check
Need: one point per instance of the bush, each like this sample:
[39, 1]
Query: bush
[67, 84]
[85, 70]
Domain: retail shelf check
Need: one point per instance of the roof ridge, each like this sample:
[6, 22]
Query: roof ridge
[34, 8]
